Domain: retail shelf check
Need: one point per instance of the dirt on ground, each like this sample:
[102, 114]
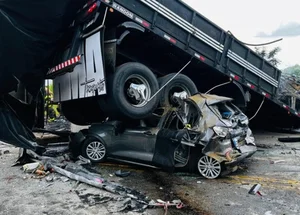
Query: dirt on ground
[275, 166]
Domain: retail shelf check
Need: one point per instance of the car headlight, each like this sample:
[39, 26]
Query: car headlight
[244, 121]
[221, 131]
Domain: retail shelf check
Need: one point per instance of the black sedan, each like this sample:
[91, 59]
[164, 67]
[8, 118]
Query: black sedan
[206, 133]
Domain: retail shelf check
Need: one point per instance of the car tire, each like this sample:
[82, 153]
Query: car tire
[178, 84]
[82, 111]
[209, 167]
[120, 98]
[94, 150]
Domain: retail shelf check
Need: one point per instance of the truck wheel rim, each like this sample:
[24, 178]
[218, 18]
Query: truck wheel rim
[137, 90]
[209, 167]
[177, 89]
[96, 150]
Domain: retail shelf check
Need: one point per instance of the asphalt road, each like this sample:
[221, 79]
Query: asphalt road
[275, 167]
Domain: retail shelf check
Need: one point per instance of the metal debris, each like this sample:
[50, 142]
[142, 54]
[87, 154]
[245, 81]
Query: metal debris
[64, 179]
[160, 203]
[278, 161]
[121, 173]
[119, 206]
[255, 190]
[78, 173]
[82, 160]
[49, 178]
[93, 199]
[6, 152]
[60, 124]
[289, 139]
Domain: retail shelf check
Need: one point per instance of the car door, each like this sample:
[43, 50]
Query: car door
[135, 144]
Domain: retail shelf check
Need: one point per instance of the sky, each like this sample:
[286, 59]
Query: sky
[258, 21]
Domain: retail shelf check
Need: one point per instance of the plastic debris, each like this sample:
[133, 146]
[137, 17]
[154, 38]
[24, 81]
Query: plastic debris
[64, 179]
[31, 167]
[160, 203]
[255, 190]
[278, 161]
[49, 178]
[82, 160]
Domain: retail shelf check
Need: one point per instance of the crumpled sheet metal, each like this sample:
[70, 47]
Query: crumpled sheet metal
[79, 173]
[216, 156]
[209, 118]
[249, 146]
[210, 99]
[133, 199]
[250, 138]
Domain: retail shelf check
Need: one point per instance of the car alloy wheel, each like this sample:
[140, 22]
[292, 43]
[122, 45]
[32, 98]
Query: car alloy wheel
[209, 167]
[95, 151]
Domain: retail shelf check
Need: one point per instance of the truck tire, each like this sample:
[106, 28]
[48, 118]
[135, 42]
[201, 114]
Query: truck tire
[123, 96]
[82, 111]
[179, 84]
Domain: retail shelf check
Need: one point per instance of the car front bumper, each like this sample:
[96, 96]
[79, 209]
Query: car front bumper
[246, 152]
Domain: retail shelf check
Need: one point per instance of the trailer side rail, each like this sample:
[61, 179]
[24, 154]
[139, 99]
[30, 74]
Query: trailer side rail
[228, 56]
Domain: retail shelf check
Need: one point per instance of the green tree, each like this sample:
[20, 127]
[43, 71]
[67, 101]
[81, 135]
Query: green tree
[50, 107]
[293, 70]
[270, 56]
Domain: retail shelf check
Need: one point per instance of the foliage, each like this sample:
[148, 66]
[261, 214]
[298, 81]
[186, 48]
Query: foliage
[270, 56]
[293, 70]
[49, 105]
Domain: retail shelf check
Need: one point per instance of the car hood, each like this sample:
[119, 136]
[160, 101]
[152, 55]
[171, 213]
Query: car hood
[200, 99]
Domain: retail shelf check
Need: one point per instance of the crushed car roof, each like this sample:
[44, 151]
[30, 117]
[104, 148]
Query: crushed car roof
[209, 99]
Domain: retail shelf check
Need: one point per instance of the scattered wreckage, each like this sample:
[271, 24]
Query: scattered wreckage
[81, 171]
[203, 132]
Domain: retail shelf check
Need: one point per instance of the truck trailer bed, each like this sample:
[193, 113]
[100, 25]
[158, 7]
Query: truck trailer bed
[191, 32]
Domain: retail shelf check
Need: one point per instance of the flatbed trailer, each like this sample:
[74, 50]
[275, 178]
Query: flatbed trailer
[93, 50]
[216, 51]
